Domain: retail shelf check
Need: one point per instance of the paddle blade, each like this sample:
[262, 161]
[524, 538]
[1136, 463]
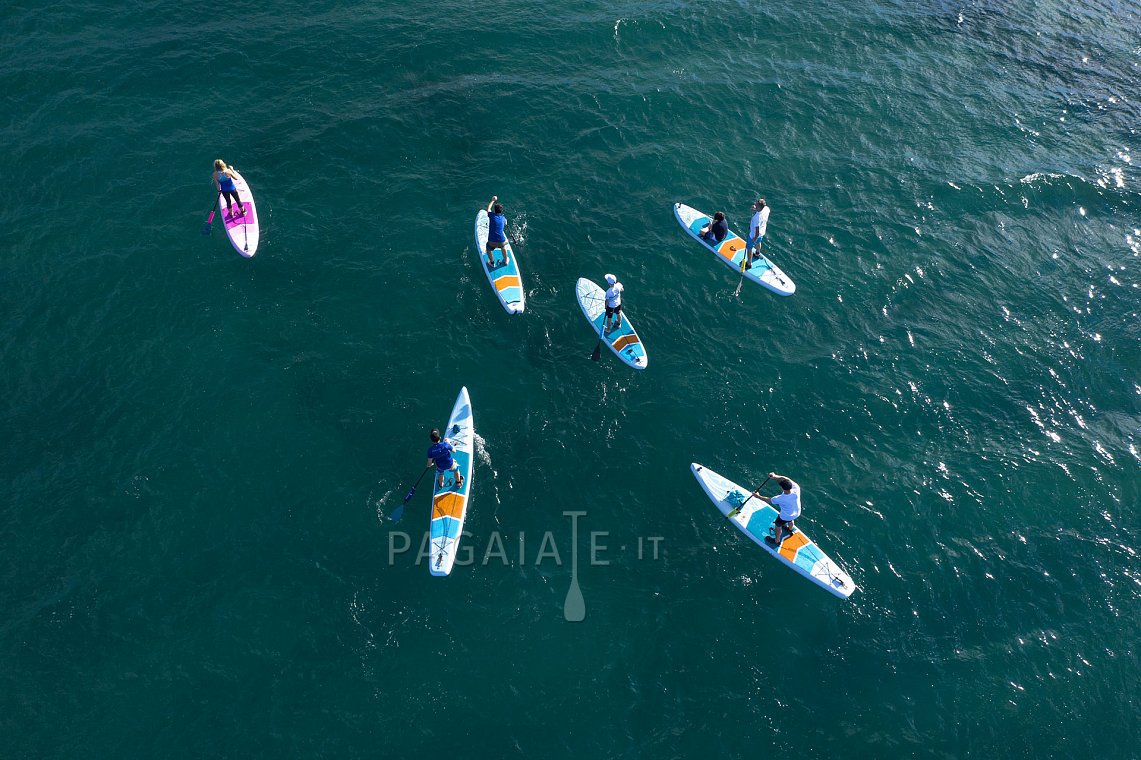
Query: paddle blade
[597, 351]
[397, 514]
[207, 227]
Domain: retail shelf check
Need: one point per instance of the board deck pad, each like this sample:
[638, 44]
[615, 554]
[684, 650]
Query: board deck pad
[624, 341]
[756, 519]
[449, 504]
[731, 252]
[506, 279]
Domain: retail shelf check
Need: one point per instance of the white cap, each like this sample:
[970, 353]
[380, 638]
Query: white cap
[611, 279]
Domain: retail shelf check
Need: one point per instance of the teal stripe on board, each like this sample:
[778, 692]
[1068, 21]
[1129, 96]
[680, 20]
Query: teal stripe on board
[199, 451]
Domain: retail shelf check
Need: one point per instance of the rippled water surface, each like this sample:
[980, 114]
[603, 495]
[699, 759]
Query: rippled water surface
[200, 452]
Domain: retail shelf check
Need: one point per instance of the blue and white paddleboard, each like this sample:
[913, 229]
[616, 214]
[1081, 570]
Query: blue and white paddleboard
[505, 278]
[731, 252]
[624, 340]
[449, 504]
[755, 519]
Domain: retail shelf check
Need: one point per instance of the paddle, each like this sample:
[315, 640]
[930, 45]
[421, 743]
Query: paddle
[399, 511]
[735, 510]
[210, 219]
[745, 258]
[598, 346]
[744, 261]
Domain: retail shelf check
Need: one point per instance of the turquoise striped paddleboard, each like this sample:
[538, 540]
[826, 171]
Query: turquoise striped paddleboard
[505, 278]
[755, 518]
[731, 252]
[624, 340]
[449, 504]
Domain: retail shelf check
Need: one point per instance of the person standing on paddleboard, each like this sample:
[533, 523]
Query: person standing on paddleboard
[440, 454]
[613, 303]
[787, 503]
[757, 228]
[224, 181]
[496, 231]
[717, 230]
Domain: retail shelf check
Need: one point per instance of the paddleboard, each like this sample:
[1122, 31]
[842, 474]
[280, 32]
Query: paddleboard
[243, 230]
[624, 341]
[731, 251]
[449, 504]
[755, 519]
[505, 278]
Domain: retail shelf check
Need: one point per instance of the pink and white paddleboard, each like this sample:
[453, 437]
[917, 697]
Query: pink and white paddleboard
[242, 229]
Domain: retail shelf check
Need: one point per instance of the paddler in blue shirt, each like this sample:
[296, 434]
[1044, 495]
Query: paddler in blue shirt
[440, 454]
[224, 181]
[496, 231]
[787, 503]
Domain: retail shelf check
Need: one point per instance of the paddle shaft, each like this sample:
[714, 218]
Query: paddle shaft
[399, 511]
[412, 490]
[598, 346]
[210, 219]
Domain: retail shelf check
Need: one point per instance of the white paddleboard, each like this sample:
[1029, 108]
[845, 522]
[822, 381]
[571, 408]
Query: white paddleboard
[242, 229]
[755, 519]
[505, 278]
[449, 504]
[731, 252]
[624, 340]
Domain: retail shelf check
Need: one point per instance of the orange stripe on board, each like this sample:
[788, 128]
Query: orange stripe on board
[508, 281]
[791, 545]
[449, 504]
[730, 248]
[624, 341]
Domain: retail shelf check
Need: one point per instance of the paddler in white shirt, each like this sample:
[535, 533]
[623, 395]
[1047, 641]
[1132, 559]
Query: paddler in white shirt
[757, 228]
[787, 502]
[613, 303]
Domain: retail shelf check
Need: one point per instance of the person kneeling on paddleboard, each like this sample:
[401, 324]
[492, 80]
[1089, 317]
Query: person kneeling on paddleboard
[717, 230]
[224, 181]
[440, 454]
[496, 231]
[787, 503]
[613, 303]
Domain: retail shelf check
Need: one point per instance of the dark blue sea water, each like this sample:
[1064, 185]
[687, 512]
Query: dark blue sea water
[199, 453]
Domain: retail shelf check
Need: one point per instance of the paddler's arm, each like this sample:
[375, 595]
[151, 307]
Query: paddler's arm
[491, 202]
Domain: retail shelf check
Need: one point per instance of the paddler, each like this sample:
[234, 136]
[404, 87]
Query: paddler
[757, 227]
[717, 230]
[496, 231]
[224, 180]
[613, 303]
[787, 503]
[440, 454]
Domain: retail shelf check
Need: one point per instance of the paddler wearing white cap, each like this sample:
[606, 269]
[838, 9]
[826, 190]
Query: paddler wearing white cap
[613, 303]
